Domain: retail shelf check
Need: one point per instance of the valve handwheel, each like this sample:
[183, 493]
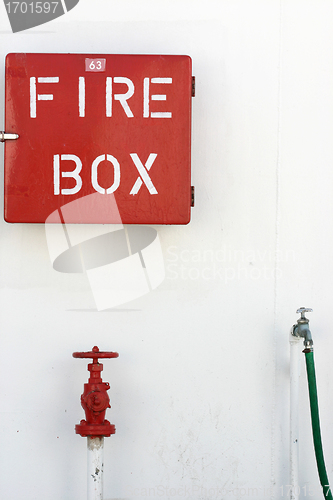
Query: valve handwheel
[95, 353]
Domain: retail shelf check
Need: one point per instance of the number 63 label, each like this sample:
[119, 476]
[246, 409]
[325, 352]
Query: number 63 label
[95, 65]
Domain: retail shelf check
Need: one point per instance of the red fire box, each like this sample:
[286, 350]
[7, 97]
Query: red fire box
[116, 126]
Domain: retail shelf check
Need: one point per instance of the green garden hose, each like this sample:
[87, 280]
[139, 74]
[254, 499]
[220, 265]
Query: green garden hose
[310, 368]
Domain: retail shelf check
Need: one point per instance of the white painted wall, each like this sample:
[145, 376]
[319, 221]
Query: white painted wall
[200, 392]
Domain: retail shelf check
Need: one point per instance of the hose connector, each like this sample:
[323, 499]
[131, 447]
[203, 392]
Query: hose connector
[301, 329]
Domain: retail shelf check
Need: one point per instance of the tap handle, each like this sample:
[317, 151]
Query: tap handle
[302, 311]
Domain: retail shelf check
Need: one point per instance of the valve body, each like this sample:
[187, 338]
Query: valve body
[95, 399]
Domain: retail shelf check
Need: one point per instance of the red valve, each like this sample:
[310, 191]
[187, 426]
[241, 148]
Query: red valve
[95, 400]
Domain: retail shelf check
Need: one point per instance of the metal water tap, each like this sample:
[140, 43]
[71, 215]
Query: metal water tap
[301, 329]
[95, 400]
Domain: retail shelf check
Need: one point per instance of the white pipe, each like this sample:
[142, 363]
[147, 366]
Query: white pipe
[95, 467]
[294, 427]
